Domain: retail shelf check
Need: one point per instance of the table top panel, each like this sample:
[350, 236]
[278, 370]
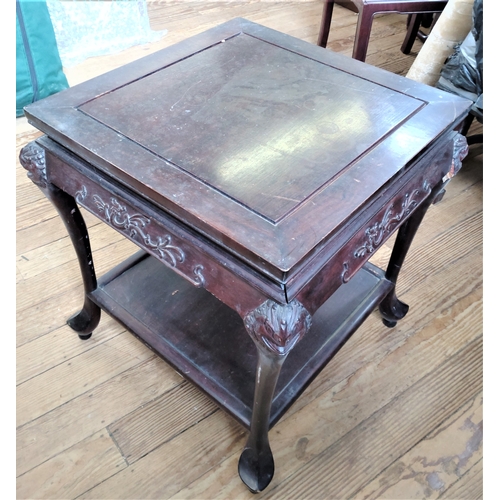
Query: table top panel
[261, 142]
[264, 126]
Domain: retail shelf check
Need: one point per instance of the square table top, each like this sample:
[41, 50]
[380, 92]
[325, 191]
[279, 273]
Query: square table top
[261, 142]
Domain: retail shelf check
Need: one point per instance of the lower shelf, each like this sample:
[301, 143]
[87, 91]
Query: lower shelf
[205, 341]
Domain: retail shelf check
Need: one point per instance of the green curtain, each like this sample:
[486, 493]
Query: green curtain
[39, 71]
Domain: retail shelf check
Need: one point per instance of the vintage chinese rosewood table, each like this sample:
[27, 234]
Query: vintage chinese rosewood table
[257, 173]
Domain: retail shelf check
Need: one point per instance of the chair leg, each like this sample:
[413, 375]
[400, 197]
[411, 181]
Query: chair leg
[326, 21]
[427, 20]
[362, 37]
[467, 124]
[422, 36]
[413, 25]
[474, 139]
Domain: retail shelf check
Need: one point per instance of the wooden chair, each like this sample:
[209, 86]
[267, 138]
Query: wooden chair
[367, 9]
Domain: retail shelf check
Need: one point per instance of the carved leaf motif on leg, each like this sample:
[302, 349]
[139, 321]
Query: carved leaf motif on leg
[460, 151]
[278, 327]
[32, 158]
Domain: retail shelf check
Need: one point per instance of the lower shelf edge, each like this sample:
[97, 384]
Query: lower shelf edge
[205, 341]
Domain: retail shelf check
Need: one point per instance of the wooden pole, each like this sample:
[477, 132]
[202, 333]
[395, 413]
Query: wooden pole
[450, 29]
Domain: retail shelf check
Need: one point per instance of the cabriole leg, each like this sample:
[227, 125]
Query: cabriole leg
[275, 329]
[32, 158]
[391, 308]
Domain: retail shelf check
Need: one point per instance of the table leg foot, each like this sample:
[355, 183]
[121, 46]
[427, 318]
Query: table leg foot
[392, 310]
[85, 321]
[275, 329]
[256, 468]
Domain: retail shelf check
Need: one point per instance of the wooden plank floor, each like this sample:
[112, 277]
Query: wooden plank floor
[396, 415]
